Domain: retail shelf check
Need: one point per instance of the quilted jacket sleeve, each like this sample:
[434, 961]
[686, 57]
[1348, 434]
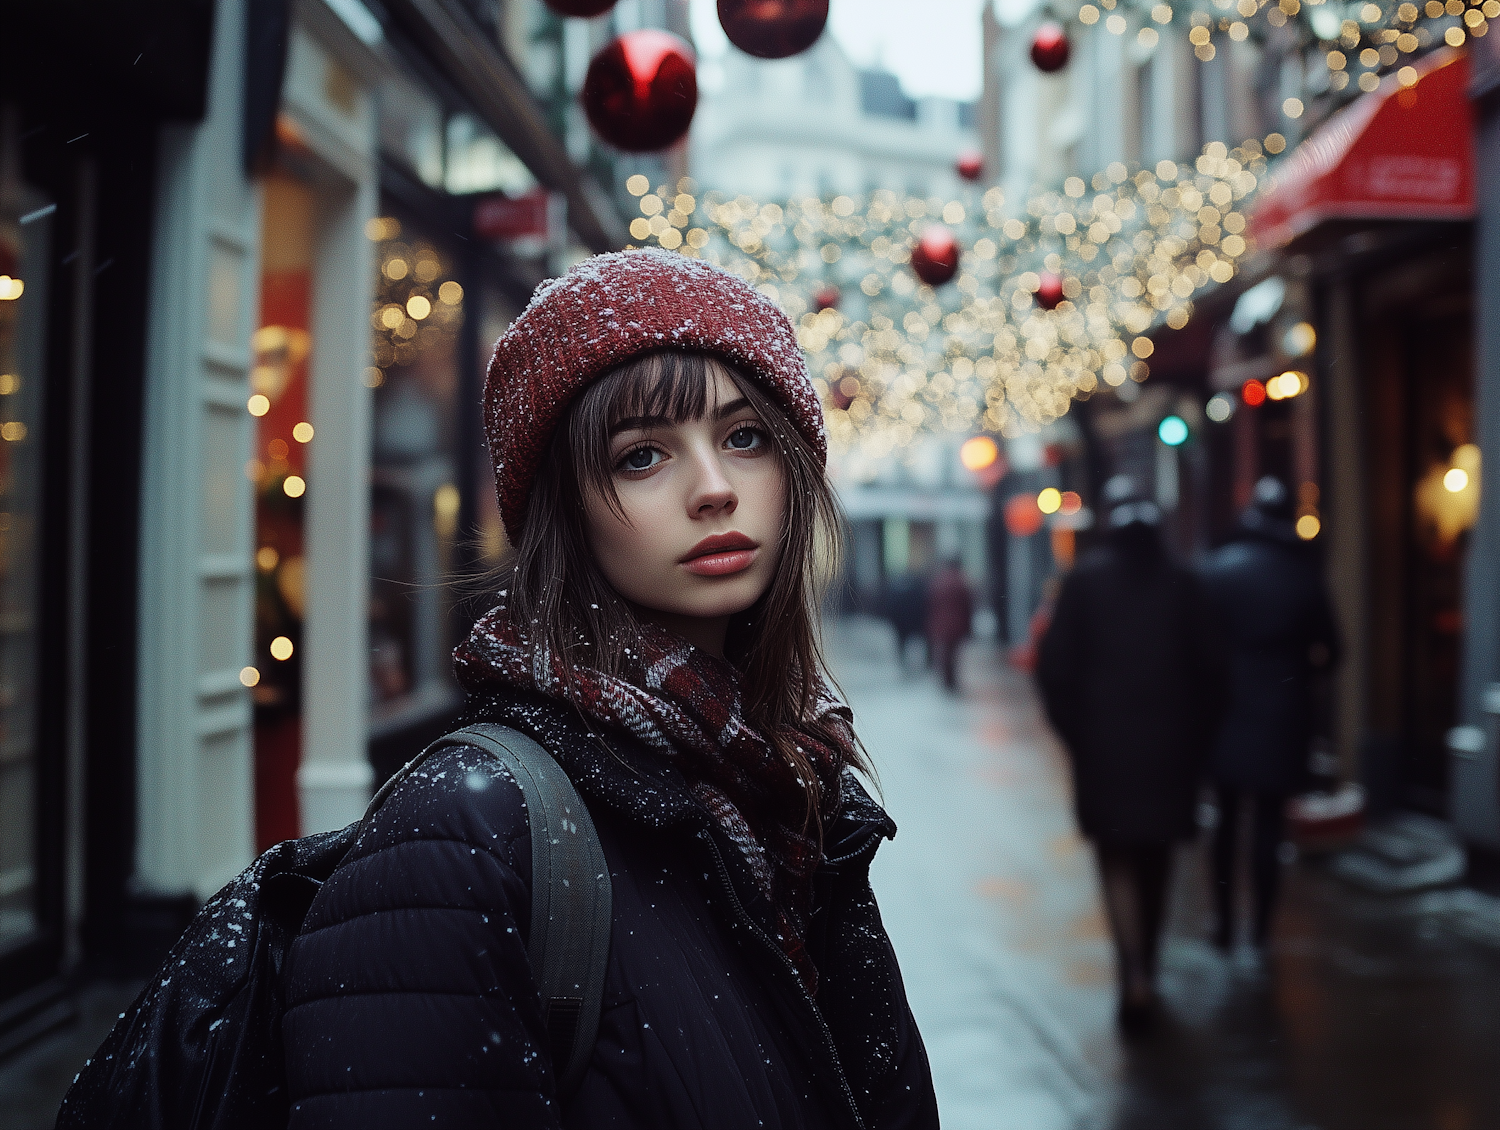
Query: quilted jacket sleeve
[410, 998]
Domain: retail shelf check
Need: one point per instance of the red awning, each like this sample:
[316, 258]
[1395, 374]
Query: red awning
[1398, 154]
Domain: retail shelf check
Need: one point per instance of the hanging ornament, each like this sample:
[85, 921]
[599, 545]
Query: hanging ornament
[970, 165]
[827, 298]
[773, 29]
[584, 8]
[1049, 291]
[1050, 47]
[935, 257]
[640, 91]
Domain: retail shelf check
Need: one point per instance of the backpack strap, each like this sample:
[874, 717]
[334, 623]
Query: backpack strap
[571, 906]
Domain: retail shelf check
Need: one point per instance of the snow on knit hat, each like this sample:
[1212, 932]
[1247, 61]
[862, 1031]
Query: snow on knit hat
[608, 310]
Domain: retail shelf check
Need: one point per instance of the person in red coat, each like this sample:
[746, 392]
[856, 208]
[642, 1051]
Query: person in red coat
[950, 610]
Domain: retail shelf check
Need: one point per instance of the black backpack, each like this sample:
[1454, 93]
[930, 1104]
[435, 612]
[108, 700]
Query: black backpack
[201, 1046]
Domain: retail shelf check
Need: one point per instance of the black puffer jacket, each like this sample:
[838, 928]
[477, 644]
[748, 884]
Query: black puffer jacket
[1270, 598]
[411, 1001]
[1133, 681]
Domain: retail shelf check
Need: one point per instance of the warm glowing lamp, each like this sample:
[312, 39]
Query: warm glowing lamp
[978, 453]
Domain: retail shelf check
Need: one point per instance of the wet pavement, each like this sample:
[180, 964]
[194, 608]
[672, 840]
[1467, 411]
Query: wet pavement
[1368, 1013]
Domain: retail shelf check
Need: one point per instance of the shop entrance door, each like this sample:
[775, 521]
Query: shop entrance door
[1424, 497]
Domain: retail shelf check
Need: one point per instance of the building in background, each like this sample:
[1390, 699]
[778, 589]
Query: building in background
[1363, 290]
[258, 254]
[817, 125]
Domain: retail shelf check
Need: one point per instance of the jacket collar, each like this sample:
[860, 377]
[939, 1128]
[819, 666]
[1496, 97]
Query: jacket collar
[613, 769]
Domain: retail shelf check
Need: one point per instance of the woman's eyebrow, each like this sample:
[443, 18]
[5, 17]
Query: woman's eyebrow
[641, 423]
[732, 407]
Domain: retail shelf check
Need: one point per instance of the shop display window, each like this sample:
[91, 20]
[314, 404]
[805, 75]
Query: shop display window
[25, 230]
[478, 161]
[278, 468]
[415, 497]
[411, 127]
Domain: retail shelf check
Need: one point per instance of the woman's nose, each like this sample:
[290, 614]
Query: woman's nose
[712, 490]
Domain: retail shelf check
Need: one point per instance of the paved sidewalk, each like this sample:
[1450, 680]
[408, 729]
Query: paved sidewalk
[1371, 1012]
[988, 892]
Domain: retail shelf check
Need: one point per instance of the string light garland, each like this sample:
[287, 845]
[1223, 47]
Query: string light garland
[1359, 41]
[897, 357]
[998, 349]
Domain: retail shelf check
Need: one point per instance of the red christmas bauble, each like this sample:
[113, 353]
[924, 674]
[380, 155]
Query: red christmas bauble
[583, 8]
[1049, 291]
[1050, 47]
[970, 165]
[640, 91]
[827, 298]
[935, 257]
[773, 29]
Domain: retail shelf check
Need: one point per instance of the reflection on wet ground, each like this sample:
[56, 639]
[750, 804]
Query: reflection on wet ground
[1369, 1013]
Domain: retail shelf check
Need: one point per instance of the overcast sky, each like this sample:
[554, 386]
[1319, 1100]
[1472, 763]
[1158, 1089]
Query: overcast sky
[932, 45]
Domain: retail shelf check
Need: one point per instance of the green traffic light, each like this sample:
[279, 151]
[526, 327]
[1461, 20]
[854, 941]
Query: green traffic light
[1172, 431]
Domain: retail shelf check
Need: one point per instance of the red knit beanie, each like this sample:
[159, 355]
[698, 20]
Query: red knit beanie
[604, 312]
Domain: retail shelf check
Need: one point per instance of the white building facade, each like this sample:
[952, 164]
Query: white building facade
[815, 124]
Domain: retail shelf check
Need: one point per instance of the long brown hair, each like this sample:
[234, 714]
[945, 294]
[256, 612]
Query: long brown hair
[563, 606]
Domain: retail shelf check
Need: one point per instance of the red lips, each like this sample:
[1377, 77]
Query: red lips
[719, 543]
[721, 555]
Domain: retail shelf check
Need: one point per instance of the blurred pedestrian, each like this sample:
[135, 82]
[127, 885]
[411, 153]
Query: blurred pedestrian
[1268, 593]
[904, 605]
[1132, 682]
[950, 615]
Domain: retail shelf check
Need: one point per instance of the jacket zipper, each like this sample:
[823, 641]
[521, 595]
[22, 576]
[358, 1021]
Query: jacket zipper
[865, 851]
[766, 940]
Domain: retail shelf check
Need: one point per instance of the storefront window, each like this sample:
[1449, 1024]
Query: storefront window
[478, 161]
[419, 308]
[279, 402]
[25, 229]
[411, 128]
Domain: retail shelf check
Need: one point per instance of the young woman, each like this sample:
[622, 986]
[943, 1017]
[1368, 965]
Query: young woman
[658, 452]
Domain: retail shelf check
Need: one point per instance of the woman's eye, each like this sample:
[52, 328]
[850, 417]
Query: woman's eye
[641, 459]
[745, 439]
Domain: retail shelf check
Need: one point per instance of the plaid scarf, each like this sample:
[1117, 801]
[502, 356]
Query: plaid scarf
[686, 704]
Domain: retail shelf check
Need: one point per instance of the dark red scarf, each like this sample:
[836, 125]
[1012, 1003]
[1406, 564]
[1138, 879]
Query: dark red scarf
[686, 704]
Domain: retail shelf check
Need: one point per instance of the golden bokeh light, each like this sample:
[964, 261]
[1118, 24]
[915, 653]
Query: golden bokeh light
[302, 432]
[978, 453]
[294, 486]
[281, 648]
[259, 404]
[1049, 500]
[249, 676]
[1308, 526]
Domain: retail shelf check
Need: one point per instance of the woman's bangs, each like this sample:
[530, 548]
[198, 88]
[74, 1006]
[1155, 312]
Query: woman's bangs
[669, 385]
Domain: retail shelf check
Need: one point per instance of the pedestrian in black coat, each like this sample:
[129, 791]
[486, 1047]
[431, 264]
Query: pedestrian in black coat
[1132, 681]
[659, 463]
[1268, 593]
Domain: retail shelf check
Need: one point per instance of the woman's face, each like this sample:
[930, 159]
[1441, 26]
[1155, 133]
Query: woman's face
[703, 503]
